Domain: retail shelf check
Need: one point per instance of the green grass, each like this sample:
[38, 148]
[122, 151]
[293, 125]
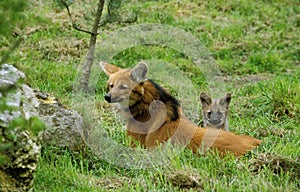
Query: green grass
[247, 39]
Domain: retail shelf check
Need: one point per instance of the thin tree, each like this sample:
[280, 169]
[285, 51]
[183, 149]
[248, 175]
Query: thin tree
[88, 62]
[112, 16]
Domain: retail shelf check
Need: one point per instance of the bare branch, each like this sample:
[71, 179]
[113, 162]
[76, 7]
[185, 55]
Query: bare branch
[74, 25]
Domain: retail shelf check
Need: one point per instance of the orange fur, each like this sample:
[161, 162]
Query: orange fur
[154, 116]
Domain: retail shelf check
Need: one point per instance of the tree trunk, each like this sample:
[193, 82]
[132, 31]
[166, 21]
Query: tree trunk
[86, 70]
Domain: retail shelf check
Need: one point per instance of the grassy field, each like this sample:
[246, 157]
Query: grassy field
[256, 46]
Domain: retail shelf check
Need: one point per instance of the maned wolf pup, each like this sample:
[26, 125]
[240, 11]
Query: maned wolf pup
[154, 116]
[215, 111]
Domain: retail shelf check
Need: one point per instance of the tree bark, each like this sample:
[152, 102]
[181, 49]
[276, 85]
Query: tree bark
[86, 70]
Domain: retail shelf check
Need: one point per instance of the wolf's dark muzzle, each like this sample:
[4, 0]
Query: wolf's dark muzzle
[107, 97]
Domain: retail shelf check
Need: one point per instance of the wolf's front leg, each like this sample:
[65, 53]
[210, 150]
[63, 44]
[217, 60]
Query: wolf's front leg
[155, 125]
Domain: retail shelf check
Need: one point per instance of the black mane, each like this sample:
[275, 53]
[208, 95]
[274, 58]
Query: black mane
[166, 97]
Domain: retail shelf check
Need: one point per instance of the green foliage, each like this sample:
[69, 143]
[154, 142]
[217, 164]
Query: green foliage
[33, 124]
[3, 105]
[115, 11]
[9, 134]
[36, 125]
[10, 14]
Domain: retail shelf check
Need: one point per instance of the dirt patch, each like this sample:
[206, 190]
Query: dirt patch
[62, 49]
[277, 165]
[111, 183]
[247, 79]
[186, 180]
[272, 131]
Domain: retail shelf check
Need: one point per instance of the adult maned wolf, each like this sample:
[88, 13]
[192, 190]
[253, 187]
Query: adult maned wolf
[154, 116]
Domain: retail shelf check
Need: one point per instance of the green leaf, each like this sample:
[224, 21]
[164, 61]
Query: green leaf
[19, 122]
[36, 125]
[3, 159]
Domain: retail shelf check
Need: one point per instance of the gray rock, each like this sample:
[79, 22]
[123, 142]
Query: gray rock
[17, 172]
[10, 76]
[64, 126]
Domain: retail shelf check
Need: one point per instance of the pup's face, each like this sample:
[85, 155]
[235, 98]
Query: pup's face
[124, 86]
[215, 111]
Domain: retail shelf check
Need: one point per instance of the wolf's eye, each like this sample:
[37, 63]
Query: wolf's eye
[209, 113]
[109, 87]
[219, 113]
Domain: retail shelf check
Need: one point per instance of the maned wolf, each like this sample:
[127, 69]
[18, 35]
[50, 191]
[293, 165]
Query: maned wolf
[154, 116]
[215, 111]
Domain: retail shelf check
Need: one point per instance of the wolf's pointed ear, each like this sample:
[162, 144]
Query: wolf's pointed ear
[205, 100]
[139, 72]
[225, 100]
[108, 69]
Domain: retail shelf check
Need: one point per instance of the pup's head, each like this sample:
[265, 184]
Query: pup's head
[215, 111]
[125, 85]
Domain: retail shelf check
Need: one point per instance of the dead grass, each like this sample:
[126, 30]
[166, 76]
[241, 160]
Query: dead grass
[273, 131]
[277, 164]
[110, 183]
[187, 179]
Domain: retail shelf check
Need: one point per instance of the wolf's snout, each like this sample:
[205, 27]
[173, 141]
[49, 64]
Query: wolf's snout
[107, 97]
[214, 121]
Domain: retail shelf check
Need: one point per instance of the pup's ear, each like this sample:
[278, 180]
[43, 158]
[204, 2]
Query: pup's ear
[139, 72]
[205, 100]
[108, 69]
[225, 100]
